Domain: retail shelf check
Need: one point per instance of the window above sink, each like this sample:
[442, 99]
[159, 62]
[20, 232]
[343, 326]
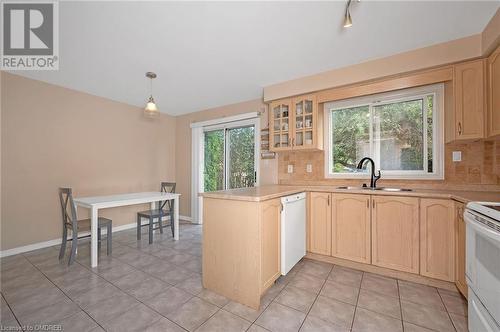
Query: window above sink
[401, 131]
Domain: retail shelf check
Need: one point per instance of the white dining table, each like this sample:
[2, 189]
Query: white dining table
[95, 203]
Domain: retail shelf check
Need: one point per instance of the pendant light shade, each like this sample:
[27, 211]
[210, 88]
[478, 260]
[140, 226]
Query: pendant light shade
[151, 110]
[347, 19]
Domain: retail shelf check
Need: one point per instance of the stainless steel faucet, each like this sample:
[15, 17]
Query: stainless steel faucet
[374, 178]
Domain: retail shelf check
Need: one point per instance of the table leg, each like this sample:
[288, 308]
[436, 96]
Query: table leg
[93, 236]
[176, 219]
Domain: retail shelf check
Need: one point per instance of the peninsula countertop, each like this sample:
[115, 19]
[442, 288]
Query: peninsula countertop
[263, 193]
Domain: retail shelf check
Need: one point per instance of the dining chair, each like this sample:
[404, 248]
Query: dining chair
[70, 221]
[164, 209]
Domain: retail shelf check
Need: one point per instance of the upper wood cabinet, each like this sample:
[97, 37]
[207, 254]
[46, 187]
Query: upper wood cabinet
[395, 233]
[320, 223]
[437, 239]
[493, 122]
[460, 249]
[469, 100]
[351, 227]
[270, 244]
[295, 124]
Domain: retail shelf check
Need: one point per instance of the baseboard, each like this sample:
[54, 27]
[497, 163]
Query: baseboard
[55, 242]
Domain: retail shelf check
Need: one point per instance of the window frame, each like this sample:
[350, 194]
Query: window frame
[437, 90]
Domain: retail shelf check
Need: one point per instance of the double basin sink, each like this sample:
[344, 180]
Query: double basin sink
[377, 189]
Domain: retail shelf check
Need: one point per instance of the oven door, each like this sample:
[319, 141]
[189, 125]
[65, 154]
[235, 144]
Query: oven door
[483, 261]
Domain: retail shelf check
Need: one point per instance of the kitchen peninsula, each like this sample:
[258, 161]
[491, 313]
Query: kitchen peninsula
[351, 227]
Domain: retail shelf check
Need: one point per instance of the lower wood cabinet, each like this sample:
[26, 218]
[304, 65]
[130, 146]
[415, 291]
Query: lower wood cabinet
[437, 239]
[395, 233]
[320, 223]
[460, 249]
[270, 224]
[351, 227]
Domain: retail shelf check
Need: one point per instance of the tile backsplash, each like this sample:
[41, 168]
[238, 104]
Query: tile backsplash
[479, 169]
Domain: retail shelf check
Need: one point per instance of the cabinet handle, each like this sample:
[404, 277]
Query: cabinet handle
[368, 203]
[328, 200]
[459, 128]
[373, 205]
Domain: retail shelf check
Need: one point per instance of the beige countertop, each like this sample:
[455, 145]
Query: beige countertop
[263, 193]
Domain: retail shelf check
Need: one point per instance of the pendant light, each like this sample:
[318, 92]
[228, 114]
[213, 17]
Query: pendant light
[347, 18]
[151, 110]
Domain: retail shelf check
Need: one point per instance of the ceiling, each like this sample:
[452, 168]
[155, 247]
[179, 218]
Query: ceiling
[208, 54]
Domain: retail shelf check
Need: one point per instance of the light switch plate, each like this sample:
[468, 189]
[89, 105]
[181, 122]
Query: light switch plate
[309, 168]
[290, 168]
[457, 155]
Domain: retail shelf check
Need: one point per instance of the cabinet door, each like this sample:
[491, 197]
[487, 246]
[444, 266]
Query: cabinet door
[469, 100]
[494, 93]
[460, 249]
[271, 245]
[320, 223]
[351, 227]
[280, 125]
[395, 233]
[437, 239]
[305, 123]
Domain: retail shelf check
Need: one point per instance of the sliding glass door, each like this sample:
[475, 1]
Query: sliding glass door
[229, 157]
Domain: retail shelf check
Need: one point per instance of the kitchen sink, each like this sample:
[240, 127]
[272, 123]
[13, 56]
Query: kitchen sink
[379, 188]
[392, 189]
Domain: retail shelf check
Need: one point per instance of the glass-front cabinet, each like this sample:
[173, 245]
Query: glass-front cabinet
[295, 124]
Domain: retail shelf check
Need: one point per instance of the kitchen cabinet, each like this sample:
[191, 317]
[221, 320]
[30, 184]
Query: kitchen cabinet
[270, 224]
[493, 122]
[460, 249]
[437, 239]
[395, 233]
[469, 100]
[241, 247]
[351, 227]
[320, 223]
[295, 124]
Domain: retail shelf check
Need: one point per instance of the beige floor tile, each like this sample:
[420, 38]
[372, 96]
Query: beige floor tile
[164, 325]
[46, 314]
[271, 294]
[333, 311]
[382, 304]
[115, 272]
[243, 311]
[307, 282]
[95, 295]
[346, 276]
[380, 284]
[454, 292]
[280, 318]
[80, 322]
[7, 318]
[426, 316]
[256, 328]
[148, 288]
[224, 321]
[168, 301]
[135, 319]
[296, 298]
[340, 292]
[131, 280]
[315, 324]
[192, 285]
[421, 294]
[112, 307]
[193, 313]
[409, 327]
[460, 322]
[213, 298]
[455, 304]
[318, 270]
[37, 301]
[369, 321]
[175, 275]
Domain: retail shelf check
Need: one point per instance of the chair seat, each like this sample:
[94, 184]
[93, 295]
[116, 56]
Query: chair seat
[84, 224]
[153, 213]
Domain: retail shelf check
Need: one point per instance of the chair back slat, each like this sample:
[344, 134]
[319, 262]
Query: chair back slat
[167, 187]
[68, 207]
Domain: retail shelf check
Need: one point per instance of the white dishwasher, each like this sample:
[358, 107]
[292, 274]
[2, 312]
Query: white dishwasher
[293, 231]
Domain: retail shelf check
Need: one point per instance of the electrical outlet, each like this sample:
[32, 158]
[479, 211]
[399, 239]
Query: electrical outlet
[457, 156]
[309, 168]
[290, 168]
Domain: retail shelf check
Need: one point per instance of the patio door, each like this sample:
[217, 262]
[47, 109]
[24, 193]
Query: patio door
[229, 156]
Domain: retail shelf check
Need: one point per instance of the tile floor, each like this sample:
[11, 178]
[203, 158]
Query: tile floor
[158, 288]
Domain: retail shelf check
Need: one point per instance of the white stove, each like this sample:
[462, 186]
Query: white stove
[483, 265]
